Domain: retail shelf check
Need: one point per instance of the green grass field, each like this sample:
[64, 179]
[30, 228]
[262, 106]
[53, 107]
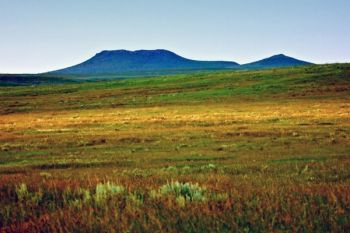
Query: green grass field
[229, 151]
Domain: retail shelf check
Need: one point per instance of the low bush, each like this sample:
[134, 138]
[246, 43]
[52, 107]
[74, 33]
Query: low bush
[103, 191]
[189, 191]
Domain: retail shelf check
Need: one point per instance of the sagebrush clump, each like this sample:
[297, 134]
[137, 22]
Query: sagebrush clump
[22, 192]
[103, 191]
[189, 191]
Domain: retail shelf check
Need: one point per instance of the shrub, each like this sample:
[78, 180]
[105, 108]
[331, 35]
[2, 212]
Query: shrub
[189, 191]
[86, 195]
[103, 191]
[22, 192]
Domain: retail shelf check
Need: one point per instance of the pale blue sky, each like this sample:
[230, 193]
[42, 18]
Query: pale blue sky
[43, 35]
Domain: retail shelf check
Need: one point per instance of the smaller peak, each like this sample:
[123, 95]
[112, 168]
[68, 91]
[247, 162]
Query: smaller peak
[280, 55]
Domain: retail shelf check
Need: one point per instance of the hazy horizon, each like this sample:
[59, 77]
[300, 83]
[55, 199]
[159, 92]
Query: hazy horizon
[39, 36]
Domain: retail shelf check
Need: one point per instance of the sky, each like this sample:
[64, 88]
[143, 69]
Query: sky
[44, 35]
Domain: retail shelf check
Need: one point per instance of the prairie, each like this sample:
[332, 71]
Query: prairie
[225, 151]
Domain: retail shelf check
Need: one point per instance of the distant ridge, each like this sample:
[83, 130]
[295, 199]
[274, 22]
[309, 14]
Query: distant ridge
[276, 61]
[139, 63]
[123, 61]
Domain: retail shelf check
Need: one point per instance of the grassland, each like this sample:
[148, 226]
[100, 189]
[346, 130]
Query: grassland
[246, 151]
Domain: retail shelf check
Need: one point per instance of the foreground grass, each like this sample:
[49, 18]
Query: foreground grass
[257, 151]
